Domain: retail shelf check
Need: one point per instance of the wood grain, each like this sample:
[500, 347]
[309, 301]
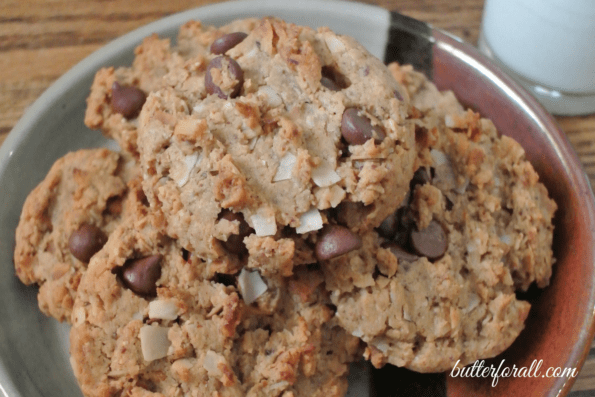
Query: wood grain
[41, 39]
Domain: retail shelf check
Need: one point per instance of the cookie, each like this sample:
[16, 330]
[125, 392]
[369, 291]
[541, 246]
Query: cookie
[147, 322]
[66, 219]
[521, 211]
[290, 130]
[436, 284]
[117, 94]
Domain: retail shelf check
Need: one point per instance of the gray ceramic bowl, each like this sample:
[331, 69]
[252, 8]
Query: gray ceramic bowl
[34, 349]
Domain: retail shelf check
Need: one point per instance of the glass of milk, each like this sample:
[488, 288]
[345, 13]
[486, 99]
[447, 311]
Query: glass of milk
[546, 45]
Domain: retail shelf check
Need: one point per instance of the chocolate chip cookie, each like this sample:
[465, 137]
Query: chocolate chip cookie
[289, 129]
[118, 94]
[66, 219]
[147, 322]
[436, 284]
[490, 169]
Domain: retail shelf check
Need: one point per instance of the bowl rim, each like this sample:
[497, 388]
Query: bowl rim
[557, 139]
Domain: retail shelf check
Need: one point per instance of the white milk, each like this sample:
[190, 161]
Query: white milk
[550, 42]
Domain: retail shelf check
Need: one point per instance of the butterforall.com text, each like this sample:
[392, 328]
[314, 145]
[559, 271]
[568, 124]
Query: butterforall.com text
[480, 370]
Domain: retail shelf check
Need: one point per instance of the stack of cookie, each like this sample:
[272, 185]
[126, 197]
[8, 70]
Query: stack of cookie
[282, 204]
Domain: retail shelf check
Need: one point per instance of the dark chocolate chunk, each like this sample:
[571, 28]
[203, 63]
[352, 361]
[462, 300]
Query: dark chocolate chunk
[389, 226]
[336, 240]
[227, 42]
[399, 252]
[431, 242]
[86, 241]
[128, 101]
[234, 71]
[140, 275]
[358, 129]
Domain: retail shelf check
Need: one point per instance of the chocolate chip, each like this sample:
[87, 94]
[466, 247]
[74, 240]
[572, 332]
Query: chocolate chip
[86, 241]
[128, 101]
[227, 42]
[336, 240]
[399, 252]
[430, 242]
[388, 227]
[420, 177]
[402, 237]
[141, 275]
[235, 242]
[228, 67]
[406, 218]
[358, 129]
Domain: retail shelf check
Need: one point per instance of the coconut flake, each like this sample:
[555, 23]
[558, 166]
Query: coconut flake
[199, 107]
[381, 345]
[440, 158]
[112, 145]
[154, 342]
[251, 285]
[138, 316]
[309, 221]
[358, 333]
[463, 187]
[163, 309]
[79, 316]
[443, 168]
[324, 175]
[253, 142]
[211, 363]
[264, 226]
[406, 315]
[251, 54]
[334, 44]
[273, 98]
[506, 239]
[285, 170]
[473, 302]
[190, 161]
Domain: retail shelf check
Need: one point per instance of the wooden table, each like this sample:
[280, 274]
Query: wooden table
[41, 39]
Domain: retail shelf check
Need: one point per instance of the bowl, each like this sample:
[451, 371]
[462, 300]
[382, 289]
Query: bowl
[34, 349]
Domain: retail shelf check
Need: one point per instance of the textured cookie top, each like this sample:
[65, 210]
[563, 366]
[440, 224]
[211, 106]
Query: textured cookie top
[476, 161]
[437, 284]
[147, 322]
[114, 109]
[286, 129]
[66, 219]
